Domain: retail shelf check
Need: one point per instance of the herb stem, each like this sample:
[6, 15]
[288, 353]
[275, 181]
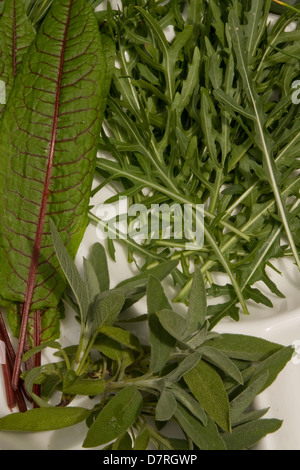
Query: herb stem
[173, 194]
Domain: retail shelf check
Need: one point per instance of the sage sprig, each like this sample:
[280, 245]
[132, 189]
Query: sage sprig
[201, 381]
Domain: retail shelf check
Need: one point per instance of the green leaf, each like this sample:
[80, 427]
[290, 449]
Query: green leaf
[197, 308]
[207, 387]
[109, 50]
[16, 35]
[160, 271]
[162, 343]
[124, 337]
[98, 259]
[247, 435]
[35, 350]
[182, 99]
[115, 418]
[123, 442]
[106, 309]
[219, 359]
[205, 437]
[52, 121]
[172, 322]
[189, 362]
[273, 364]
[279, 9]
[244, 347]
[166, 406]
[142, 439]
[210, 134]
[43, 419]
[246, 398]
[263, 138]
[85, 386]
[113, 350]
[189, 402]
[71, 273]
[91, 280]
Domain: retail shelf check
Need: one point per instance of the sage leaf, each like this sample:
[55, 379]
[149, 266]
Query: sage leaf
[106, 309]
[247, 435]
[166, 406]
[71, 272]
[242, 401]
[197, 308]
[207, 387]
[113, 350]
[189, 402]
[43, 419]
[123, 442]
[205, 437]
[142, 439]
[244, 347]
[161, 342]
[172, 322]
[188, 363]
[46, 344]
[222, 361]
[124, 337]
[91, 280]
[98, 260]
[273, 365]
[115, 418]
[86, 386]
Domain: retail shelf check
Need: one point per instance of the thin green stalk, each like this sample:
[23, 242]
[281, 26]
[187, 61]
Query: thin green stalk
[173, 194]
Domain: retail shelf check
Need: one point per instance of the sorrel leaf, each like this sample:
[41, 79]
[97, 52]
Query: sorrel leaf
[48, 149]
[16, 35]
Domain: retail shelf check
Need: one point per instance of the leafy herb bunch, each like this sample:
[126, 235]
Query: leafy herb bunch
[202, 382]
[206, 117]
[203, 118]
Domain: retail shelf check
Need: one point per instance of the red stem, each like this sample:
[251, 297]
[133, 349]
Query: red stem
[29, 363]
[10, 395]
[11, 357]
[37, 357]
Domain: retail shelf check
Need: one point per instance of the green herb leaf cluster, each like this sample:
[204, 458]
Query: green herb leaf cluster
[202, 382]
[206, 117]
